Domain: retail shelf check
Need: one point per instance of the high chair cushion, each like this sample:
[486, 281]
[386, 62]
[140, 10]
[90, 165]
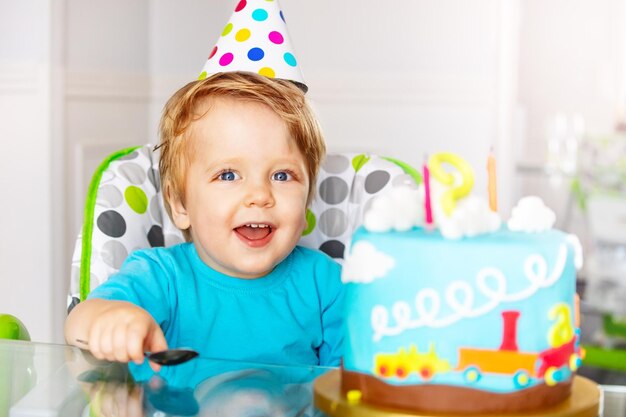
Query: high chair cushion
[124, 210]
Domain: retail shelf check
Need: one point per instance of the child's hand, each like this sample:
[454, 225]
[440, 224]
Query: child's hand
[117, 330]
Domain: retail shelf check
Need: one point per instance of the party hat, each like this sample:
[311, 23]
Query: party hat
[255, 40]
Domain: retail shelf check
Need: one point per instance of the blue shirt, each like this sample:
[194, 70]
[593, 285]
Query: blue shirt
[292, 315]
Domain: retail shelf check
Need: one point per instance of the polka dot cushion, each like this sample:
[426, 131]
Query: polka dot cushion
[345, 187]
[124, 210]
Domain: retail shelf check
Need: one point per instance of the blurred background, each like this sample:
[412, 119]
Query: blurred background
[541, 82]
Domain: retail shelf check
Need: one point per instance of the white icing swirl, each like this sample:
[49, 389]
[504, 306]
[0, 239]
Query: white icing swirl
[459, 296]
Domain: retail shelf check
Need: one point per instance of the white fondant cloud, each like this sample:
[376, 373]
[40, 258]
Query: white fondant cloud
[365, 264]
[531, 215]
[471, 217]
[399, 209]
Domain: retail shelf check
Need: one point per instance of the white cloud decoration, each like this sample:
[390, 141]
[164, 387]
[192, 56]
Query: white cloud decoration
[365, 264]
[399, 209]
[471, 217]
[531, 215]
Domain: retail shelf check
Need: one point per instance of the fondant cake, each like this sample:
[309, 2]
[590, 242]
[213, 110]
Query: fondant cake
[460, 313]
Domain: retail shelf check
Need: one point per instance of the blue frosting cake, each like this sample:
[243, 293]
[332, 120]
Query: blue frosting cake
[473, 324]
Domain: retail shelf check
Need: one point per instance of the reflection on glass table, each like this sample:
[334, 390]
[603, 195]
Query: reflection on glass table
[39, 380]
[58, 380]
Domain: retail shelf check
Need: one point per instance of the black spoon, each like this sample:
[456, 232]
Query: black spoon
[165, 357]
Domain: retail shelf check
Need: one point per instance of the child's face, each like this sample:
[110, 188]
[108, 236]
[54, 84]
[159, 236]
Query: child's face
[246, 189]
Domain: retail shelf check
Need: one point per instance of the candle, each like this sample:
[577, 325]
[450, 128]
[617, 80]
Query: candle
[428, 209]
[491, 178]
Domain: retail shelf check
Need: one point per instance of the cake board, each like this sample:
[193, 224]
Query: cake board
[584, 402]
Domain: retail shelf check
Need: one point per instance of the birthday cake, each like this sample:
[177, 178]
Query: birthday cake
[449, 309]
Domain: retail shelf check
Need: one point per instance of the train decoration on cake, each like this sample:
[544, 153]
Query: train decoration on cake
[551, 365]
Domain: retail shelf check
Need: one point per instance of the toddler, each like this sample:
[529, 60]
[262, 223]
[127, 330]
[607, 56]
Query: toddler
[239, 158]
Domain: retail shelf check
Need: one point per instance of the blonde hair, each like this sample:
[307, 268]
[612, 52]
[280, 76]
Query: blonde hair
[180, 111]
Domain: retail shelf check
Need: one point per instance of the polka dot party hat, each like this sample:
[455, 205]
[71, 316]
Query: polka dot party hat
[255, 40]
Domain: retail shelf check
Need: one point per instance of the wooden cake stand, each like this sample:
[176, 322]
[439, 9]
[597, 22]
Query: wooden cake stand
[584, 402]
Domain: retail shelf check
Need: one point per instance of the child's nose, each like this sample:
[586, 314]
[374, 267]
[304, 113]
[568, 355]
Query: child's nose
[259, 193]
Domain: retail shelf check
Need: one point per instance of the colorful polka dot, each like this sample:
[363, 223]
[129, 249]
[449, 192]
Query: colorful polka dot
[276, 37]
[333, 190]
[226, 59]
[75, 301]
[336, 164]
[111, 223]
[155, 179]
[241, 5]
[310, 222]
[268, 72]
[256, 54]
[155, 236]
[213, 52]
[333, 248]
[114, 253]
[202, 75]
[136, 199]
[259, 15]
[333, 222]
[375, 181]
[255, 24]
[227, 29]
[242, 35]
[290, 59]
[358, 161]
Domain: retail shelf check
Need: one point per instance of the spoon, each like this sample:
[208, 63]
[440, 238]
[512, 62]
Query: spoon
[165, 357]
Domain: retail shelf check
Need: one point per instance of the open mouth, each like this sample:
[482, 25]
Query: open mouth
[254, 232]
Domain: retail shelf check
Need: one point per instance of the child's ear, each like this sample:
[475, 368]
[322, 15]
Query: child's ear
[179, 212]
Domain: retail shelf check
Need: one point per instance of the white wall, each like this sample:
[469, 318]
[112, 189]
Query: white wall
[107, 89]
[398, 80]
[27, 215]
[572, 54]
[572, 61]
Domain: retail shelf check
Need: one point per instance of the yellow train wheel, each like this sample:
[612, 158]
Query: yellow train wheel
[552, 376]
[574, 362]
[472, 374]
[521, 379]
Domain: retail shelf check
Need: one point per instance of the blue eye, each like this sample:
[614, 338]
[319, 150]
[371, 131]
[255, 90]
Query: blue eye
[228, 176]
[282, 176]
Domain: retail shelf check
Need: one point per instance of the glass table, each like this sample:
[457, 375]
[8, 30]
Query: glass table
[38, 380]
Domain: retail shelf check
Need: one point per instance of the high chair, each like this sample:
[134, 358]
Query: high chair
[124, 210]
